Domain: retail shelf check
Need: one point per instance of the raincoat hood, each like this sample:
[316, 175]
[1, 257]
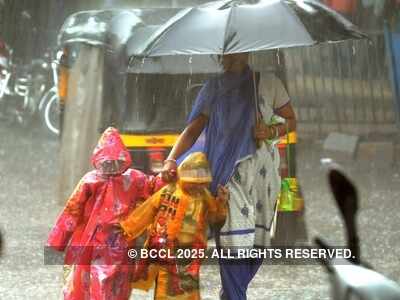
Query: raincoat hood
[110, 157]
[195, 169]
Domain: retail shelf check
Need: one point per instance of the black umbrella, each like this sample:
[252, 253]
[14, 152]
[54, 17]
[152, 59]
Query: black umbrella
[233, 26]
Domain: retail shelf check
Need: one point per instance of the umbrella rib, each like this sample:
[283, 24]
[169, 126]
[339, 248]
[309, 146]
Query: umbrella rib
[290, 11]
[155, 37]
[223, 4]
[228, 22]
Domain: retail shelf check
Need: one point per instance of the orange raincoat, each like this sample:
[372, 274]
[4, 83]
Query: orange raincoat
[178, 219]
[86, 227]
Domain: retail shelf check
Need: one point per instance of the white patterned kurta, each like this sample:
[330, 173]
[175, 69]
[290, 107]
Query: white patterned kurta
[255, 183]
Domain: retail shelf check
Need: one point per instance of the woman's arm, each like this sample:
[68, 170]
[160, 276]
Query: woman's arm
[186, 140]
[218, 207]
[263, 131]
[288, 114]
[282, 107]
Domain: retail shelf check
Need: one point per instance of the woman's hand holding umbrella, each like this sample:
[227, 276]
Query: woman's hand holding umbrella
[264, 132]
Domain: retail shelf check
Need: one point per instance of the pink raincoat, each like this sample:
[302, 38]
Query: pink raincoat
[85, 229]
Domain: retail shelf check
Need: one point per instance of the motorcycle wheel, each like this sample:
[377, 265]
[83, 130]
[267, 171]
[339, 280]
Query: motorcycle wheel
[52, 114]
[26, 117]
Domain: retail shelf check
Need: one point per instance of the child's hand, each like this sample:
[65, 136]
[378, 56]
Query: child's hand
[217, 219]
[169, 170]
[193, 270]
[222, 194]
[116, 227]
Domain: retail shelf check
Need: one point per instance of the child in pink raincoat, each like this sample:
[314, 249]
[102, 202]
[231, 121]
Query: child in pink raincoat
[85, 229]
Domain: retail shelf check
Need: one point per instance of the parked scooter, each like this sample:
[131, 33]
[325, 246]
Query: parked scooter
[353, 280]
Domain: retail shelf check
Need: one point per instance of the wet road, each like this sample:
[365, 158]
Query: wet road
[28, 207]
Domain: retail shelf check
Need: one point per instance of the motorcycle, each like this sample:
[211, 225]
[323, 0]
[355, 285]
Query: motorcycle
[49, 105]
[53, 101]
[353, 279]
[21, 86]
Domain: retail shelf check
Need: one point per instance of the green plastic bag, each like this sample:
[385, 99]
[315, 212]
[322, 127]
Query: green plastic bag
[289, 198]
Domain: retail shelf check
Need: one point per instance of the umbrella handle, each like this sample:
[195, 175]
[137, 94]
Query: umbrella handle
[256, 97]
[256, 108]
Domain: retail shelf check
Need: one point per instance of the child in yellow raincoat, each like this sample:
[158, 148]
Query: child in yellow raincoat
[176, 218]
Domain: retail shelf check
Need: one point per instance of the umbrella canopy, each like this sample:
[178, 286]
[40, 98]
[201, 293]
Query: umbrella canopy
[234, 26]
